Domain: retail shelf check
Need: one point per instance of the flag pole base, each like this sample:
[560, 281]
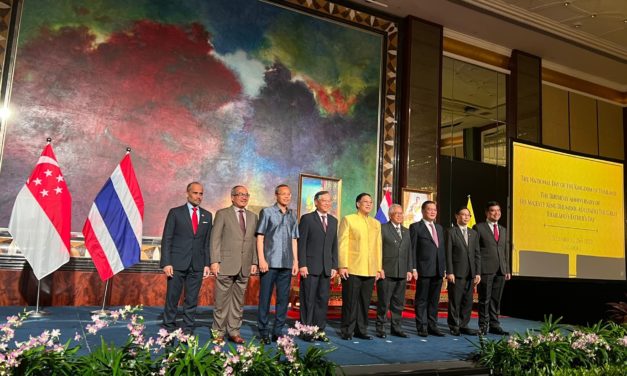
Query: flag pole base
[37, 314]
[101, 312]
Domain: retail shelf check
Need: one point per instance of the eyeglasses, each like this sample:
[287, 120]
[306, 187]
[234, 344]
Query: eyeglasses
[241, 195]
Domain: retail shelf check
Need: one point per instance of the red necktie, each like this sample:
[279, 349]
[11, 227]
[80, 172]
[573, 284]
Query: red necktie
[496, 232]
[324, 223]
[242, 222]
[195, 220]
[434, 235]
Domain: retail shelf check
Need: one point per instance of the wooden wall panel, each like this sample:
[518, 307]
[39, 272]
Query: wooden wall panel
[555, 129]
[84, 288]
[77, 288]
[583, 124]
[611, 131]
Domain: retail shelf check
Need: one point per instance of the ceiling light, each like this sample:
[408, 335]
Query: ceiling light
[593, 15]
[376, 3]
[565, 4]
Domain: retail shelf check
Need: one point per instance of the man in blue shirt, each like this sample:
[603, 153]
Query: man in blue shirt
[277, 235]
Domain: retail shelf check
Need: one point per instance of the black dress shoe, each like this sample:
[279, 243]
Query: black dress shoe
[307, 337]
[468, 331]
[483, 331]
[455, 332]
[498, 330]
[265, 340]
[435, 332]
[381, 334]
[399, 334]
[346, 337]
[274, 338]
[422, 332]
[363, 336]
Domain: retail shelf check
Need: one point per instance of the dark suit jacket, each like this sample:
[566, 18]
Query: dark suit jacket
[397, 260]
[428, 258]
[462, 260]
[234, 250]
[494, 256]
[179, 246]
[317, 249]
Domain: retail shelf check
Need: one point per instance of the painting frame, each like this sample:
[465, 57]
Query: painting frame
[411, 207]
[309, 184]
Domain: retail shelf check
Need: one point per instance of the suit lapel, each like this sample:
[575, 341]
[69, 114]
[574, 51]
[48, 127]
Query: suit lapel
[392, 229]
[460, 235]
[188, 218]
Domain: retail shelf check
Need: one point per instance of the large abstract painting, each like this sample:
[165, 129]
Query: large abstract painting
[222, 92]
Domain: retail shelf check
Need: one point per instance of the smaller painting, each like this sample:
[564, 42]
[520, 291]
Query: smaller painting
[311, 184]
[412, 202]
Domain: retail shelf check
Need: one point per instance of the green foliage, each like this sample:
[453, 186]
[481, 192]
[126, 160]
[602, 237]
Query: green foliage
[555, 349]
[170, 353]
[108, 359]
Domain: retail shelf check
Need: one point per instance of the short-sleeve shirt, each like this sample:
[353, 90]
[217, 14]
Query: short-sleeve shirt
[278, 229]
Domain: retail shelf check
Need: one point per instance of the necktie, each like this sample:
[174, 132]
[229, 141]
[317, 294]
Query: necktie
[195, 219]
[242, 222]
[324, 223]
[496, 232]
[398, 229]
[465, 232]
[434, 235]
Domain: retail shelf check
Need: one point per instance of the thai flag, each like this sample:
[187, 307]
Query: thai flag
[383, 212]
[113, 230]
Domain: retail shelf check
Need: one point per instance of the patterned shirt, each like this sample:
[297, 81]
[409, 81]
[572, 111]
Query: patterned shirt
[278, 229]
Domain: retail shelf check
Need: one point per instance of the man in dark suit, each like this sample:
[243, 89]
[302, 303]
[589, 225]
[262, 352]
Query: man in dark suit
[233, 260]
[427, 241]
[397, 267]
[495, 270]
[463, 268]
[185, 256]
[317, 258]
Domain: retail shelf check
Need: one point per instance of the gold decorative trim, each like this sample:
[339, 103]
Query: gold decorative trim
[390, 31]
[584, 86]
[475, 53]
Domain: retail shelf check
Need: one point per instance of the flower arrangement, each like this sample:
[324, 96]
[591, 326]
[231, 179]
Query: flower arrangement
[558, 350]
[167, 353]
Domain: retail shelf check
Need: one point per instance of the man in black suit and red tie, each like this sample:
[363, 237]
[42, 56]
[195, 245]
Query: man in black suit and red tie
[494, 249]
[185, 254]
[427, 241]
[317, 257]
[463, 268]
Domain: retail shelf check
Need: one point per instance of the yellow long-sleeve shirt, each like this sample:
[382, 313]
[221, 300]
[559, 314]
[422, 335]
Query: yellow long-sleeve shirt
[359, 247]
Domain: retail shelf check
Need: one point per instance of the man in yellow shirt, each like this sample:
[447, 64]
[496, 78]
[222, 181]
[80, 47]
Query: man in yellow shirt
[359, 259]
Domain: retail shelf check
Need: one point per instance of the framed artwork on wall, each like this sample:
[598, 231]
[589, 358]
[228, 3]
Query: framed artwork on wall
[309, 185]
[412, 202]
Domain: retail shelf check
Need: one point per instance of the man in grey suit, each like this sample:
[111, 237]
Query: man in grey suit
[233, 260]
[185, 247]
[317, 258]
[495, 270]
[427, 241]
[397, 267]
[463, 268]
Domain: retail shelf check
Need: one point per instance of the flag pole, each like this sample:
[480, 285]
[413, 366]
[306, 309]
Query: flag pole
[102, 311]
[37, 313]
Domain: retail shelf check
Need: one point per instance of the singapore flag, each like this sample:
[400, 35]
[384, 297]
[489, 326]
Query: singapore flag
[41, 218]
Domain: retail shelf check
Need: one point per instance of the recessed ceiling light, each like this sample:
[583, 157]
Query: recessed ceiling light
[577, 26]
[566, 4]
[593, 15]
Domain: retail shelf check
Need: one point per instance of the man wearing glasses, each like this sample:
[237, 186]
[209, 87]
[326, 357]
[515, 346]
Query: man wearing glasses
[277, 236]
[233, 260]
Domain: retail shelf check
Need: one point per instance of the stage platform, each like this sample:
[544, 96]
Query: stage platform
[414, 355]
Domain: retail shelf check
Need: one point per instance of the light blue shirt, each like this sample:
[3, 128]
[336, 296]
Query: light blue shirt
[278, 230]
